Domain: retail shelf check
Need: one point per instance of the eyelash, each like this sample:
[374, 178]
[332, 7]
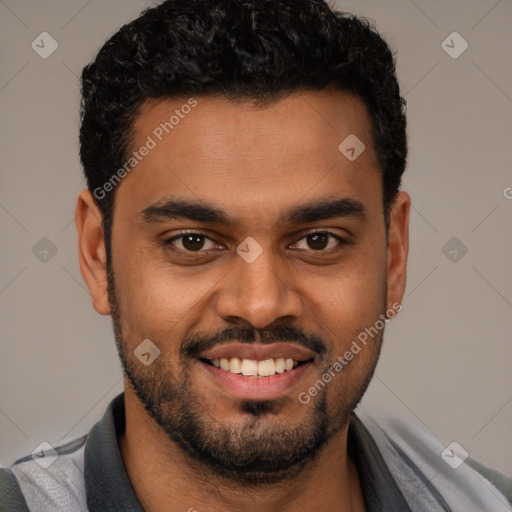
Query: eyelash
[169, 241]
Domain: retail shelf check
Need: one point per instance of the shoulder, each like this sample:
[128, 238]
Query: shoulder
[49, 479]
[11, 497]
[501, 481]
[426, 469]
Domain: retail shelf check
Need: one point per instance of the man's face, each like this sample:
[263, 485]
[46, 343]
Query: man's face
[260, 287]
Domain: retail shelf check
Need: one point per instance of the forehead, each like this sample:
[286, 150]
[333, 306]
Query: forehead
[251, 159]
[302, 118]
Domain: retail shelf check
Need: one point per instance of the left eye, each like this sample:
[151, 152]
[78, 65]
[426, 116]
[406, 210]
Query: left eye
[319, 240]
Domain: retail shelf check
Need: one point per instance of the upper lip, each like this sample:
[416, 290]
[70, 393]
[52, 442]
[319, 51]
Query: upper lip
[259, 351]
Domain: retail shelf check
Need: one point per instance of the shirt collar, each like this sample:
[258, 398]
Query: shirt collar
[380, 491]
[107, 485]
[109, 489]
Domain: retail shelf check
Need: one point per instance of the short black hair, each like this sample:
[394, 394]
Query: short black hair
[255, 50]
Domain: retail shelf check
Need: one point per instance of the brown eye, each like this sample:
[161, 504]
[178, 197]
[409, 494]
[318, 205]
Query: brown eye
[321, 240]
[191, 242]
[318, 241]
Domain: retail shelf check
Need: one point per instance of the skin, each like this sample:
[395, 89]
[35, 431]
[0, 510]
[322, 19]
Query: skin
[255, 164]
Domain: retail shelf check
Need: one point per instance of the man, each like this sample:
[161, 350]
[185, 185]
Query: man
[243, 226]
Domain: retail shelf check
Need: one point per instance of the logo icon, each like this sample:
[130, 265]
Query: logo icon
[454, 45]
[45, 455]
[454, 455]
[44, 250]
[44, 45]
[454, 250]
[249, 249]
[351, 147]
[147, 352]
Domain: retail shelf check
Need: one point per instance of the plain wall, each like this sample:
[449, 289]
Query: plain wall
[446, 356]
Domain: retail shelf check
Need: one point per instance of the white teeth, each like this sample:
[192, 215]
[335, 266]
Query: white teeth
[266, 368]
[235, 365]
[280, 365]
[249, 367]
[252, 367]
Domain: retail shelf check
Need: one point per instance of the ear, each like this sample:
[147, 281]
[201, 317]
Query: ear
[91, 250]
[398, 248]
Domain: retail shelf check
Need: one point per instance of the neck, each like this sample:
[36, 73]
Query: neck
[164, 479]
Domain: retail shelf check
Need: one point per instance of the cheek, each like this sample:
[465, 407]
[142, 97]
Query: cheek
[156, 298]
[345, 304]
[353, 295]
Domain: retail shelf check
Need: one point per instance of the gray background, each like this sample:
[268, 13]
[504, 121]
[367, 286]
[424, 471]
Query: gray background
[446, 358]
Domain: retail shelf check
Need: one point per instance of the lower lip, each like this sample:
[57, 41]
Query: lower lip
[257, 388]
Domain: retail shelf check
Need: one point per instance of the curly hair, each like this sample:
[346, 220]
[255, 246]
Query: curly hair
[258, 50]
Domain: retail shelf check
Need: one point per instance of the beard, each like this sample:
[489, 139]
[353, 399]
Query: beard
[260, 449]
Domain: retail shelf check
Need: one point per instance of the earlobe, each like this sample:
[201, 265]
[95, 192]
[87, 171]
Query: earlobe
[398, 248]
[91, 250]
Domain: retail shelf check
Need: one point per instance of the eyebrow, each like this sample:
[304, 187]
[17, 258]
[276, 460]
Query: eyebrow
[176, 208]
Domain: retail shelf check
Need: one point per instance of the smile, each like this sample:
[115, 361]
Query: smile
[253, 367]
[257, 371]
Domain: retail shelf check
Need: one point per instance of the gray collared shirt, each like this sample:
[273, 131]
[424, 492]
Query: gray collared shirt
[89, 474]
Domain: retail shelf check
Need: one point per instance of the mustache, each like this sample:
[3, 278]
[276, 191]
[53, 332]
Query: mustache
[194, 346]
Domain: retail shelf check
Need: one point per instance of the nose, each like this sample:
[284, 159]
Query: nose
[259, 292]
